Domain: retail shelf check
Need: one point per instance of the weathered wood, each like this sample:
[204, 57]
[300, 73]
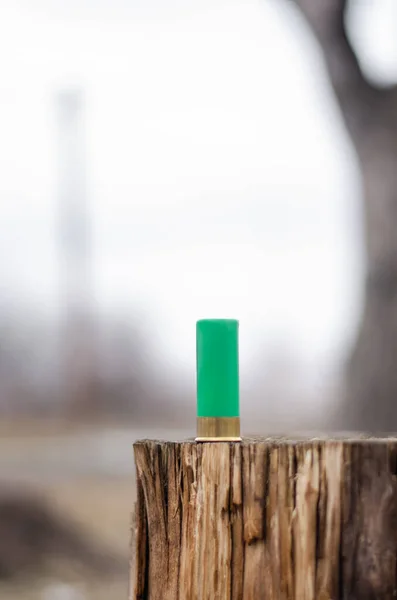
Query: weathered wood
[276, 519]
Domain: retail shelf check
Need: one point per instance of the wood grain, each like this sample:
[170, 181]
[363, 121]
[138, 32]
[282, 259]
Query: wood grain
[271, 519]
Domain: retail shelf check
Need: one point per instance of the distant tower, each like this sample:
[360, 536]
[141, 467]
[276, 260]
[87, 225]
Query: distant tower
[76, 335]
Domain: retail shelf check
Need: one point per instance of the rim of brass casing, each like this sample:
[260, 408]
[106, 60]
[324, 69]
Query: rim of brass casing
[218, 429]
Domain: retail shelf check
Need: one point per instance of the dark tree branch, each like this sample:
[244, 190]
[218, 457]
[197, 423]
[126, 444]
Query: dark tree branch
[359, 100]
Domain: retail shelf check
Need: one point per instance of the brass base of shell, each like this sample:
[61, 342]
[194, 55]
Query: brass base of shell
[218, 429]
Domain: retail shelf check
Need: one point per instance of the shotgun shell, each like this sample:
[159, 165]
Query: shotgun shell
[218, 415]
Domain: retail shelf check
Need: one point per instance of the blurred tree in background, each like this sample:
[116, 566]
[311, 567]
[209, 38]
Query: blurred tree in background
[370, 115]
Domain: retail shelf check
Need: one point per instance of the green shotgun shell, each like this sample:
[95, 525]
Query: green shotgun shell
[218, 414]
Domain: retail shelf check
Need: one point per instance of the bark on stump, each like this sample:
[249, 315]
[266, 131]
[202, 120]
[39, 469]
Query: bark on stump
[277, 519]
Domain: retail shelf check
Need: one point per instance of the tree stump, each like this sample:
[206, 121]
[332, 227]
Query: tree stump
[279, 519]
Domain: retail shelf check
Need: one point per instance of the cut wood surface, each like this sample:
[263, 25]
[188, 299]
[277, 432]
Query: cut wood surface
[277, 519]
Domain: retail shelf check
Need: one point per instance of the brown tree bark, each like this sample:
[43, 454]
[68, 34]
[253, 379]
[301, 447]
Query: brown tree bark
[370, 115]
[271, 519]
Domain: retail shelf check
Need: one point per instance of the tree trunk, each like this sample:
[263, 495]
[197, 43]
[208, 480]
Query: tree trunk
[273, 519]
[372, 373]
[370, 116]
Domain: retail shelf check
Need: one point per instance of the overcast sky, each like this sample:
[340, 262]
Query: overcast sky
[221, 182]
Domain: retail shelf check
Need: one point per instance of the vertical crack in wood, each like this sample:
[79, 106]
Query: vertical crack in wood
[236, 519]
[173, 521]
[285, 498]
[273, 525]
[321, 511]
[188, 567]
[329, 521]
[255, 473]
[304, 523]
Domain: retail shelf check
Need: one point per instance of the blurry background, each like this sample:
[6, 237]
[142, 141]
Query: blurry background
[162, 162]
